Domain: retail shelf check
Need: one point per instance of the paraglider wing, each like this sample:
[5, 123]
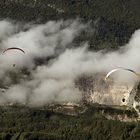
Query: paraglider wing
[117, 69]
[13, 48]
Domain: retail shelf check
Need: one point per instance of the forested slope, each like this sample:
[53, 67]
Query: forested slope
[22, 123]
[114, 20]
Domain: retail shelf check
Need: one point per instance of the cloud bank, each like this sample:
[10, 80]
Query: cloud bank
[53, 80]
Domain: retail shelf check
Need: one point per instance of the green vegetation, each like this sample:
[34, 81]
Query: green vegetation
[24, 123]
[113, 20]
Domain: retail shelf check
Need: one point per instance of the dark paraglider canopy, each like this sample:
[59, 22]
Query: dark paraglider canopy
[13, 48]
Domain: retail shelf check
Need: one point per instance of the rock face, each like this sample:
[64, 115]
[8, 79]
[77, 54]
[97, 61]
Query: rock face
[134, 99]
[115, 95]
[119, 95]
[97, 90]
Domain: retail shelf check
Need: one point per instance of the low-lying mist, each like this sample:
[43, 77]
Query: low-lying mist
[53, 80]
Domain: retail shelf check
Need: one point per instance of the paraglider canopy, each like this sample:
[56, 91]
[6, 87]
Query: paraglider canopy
[118, 69]
[14, 48]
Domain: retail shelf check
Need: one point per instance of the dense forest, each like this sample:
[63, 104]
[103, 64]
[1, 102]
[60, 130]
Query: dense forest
[22, 123]
[114, 21]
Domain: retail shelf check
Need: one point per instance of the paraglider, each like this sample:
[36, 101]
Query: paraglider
[118, 69]
[14, 65]
[14, 48]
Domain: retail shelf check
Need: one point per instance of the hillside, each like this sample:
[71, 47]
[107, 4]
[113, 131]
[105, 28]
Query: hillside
[20, 123]
[112, 22]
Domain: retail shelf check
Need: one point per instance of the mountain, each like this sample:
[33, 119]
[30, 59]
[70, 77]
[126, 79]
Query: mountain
[89, 122]
[114, 22]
